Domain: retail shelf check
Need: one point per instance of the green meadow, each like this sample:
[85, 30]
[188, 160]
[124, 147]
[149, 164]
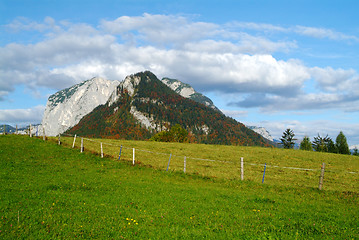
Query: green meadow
[49, 191]
[292, 168]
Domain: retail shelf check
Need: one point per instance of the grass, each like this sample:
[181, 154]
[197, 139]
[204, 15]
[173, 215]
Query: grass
[341, 172]
[51, 192]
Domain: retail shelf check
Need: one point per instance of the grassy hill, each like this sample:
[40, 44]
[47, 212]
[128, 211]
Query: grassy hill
[285, 167]
[49, 191]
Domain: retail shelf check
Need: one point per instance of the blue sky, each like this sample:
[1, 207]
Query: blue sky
[276, 64]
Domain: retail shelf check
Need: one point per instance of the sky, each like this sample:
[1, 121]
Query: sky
[276, 64]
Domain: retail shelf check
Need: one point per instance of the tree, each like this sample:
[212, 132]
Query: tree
[306, 144]
[341, 144]
[179, 134]
[332, 148]
[175, 134]
[325, 144]
[319, 144]
[288, 139]
[355, 152]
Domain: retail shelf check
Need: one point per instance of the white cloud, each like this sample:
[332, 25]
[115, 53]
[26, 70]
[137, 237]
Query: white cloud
[333, 80]
[247, 44]
[161, 29]
[306, 101]
[335, 88]
[254, 44]
[206, 55]
[25, 24]
[314, 32]
[323, 33]
[235, 113]
[257, 26]
[22, 116]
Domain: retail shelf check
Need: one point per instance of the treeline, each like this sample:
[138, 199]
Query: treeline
[319, 143]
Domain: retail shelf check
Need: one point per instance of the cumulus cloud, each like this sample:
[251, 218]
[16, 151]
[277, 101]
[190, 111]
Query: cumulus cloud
[206, 55]
[22, 116]
[161, 29]
[333, 80]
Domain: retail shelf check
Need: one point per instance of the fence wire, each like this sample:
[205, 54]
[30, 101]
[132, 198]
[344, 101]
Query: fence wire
[204, 159]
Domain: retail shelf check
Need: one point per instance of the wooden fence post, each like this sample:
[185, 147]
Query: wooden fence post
[16, 129]
[169, 160]
[82, 144]
[133, 156]
[4, 129]
[184, 164]
[321, 178]
[73, 144]
[30, 132]
[242, 170]
[59, 142]
[101, 151]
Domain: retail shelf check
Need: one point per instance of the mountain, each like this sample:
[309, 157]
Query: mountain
[185, 90]
[142, 105]
[262, 131]
[8, 128]
[67, 107]
[36, 129]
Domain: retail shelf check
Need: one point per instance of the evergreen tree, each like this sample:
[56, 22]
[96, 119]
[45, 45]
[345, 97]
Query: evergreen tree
[319, 144]
[355, 152]
[332, 148]
[306, 144]
[341, 144]
[325, 144]
[288, 139]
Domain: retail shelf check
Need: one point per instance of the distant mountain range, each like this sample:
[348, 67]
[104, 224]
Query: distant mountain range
[35, 129]
[8, 128]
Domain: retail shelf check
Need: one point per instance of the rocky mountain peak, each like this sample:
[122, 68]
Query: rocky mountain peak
[130, 83]
[262, 131]
[65, 108]
[185, 90]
